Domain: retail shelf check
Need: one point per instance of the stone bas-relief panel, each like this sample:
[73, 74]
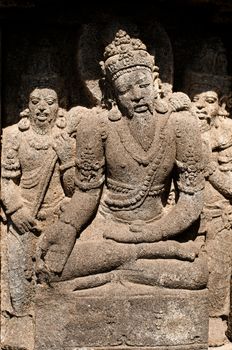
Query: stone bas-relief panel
[95, 255]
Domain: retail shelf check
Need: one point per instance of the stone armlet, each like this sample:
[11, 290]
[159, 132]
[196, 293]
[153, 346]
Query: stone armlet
[86, 186]
[67, 165]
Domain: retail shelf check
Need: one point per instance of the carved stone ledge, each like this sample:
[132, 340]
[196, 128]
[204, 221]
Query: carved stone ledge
[175, 320]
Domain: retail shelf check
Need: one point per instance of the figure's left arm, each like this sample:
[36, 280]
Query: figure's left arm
[189, 178]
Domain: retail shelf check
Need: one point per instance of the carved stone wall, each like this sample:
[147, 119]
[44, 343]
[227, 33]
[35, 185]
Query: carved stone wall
[116, 188]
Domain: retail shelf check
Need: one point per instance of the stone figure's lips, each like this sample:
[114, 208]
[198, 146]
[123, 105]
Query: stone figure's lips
[42, 116]
[201, 114]
[141, 108]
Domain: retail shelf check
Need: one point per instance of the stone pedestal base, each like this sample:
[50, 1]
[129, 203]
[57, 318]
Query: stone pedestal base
[161, 320]
[229, 331]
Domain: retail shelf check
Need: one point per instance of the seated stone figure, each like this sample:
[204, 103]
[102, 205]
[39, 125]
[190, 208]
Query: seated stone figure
[116, 226]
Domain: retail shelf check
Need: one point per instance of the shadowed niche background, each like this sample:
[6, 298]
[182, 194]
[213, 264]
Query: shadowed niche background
[40, 42]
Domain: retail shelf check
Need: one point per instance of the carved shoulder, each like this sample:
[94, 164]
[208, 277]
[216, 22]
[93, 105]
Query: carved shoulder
[93, 122]
[179, 102]
[186, 128]
[11, 132]
[11, 139]
[74, 116]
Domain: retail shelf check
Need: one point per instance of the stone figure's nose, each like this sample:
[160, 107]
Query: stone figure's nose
[136, 98]
[42, 106]
[136, 94]
[199, 105]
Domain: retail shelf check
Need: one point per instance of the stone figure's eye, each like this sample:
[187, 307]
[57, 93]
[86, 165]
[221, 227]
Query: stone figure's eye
[123, 90]
[144, 85]
[211, 100]
[195, 99]
[34, 101]
[50, 102]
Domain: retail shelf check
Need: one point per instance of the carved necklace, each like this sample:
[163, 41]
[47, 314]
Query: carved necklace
[134, 199]
[39, 142]
[39, 130]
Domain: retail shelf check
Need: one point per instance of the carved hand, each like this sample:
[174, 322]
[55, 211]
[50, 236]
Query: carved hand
[23, 220]
[55, 247]
[137, 233]
[42, 273]
[63, 146]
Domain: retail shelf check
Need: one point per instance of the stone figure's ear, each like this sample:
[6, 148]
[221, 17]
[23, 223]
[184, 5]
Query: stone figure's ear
[107, 93]
[61, 120]
[24, 123]
[225, 103]
[114, 113]
[222, 110]
[156, 80]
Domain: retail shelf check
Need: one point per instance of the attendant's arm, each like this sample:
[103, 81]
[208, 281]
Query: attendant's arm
[12, 200]
[220, 180]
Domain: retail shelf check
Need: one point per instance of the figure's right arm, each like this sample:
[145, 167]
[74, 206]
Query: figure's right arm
[89, 173]
[11, 173]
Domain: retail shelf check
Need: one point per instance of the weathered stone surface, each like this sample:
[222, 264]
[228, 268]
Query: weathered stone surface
[124, 264]
[229, 331]
[118, 212]
[121, 318]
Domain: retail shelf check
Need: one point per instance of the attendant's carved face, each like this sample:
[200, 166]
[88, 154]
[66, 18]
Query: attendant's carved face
[43, 106]
[206, 107]
[135, 92]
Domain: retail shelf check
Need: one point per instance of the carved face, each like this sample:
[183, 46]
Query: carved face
[135, 92]
[43, 106]
[206, 107]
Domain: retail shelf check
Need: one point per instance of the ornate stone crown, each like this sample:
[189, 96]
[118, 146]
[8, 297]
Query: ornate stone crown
[125, 52]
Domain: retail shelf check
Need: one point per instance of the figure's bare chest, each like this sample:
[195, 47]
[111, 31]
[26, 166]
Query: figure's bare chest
[128, 161]
[33, 152]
